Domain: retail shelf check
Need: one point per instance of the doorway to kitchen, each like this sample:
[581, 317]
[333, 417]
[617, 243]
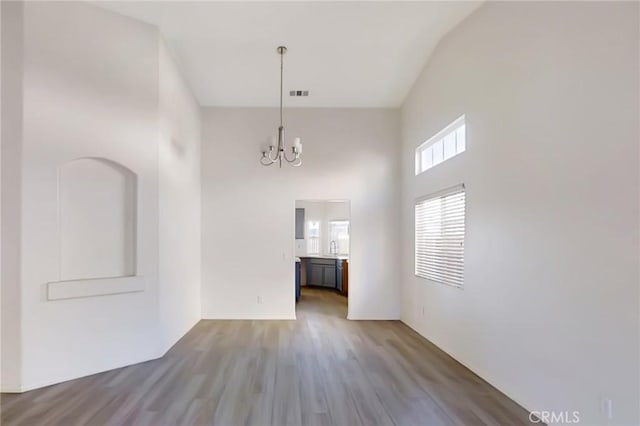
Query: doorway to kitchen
[322, 250]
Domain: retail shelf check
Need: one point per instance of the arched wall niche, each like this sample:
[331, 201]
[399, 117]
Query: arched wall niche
[97, 229]
[97, 219]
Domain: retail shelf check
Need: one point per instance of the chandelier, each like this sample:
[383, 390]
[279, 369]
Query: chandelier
[276, 154]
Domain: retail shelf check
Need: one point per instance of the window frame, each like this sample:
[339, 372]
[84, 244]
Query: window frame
[440, 136]
[451, 191]
[314, 240]
[329, 225]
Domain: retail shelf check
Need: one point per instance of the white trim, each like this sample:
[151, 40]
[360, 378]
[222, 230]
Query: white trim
[454, 124]
[477, 371]
[58, 290]
[450, 128]
[446, 191]
[257, 317]
[65, 378]
[438, 229]
[11, 389]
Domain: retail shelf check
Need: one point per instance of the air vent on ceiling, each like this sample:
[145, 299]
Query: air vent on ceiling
[298, 93]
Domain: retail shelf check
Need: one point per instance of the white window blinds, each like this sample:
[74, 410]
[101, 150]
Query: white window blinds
[313, 237]
[339, 237]
[440, 221]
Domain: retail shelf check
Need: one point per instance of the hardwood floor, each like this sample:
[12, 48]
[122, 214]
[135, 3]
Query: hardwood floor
[318, 370]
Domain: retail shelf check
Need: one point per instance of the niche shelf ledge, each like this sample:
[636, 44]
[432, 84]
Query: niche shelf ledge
[59, 290]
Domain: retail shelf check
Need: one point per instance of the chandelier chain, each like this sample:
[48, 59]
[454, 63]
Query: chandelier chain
[281, 79]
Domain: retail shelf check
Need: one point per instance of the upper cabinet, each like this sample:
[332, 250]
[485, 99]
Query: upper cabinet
[299, 224]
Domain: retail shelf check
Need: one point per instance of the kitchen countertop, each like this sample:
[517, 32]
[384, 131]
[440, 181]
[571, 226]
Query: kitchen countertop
[325, 256]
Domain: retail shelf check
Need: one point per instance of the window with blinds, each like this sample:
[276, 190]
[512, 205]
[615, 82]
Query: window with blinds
[339, 237]
[313, 237]
[440, 223]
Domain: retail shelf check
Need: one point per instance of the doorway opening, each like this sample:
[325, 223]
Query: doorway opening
[322, 251]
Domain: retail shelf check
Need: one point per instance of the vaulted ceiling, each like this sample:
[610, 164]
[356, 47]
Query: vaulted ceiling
[346, 54]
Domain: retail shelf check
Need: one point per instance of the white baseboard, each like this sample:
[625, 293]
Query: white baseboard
[10, 389]
[252, 318]
[354, 318]
[474, 370]
[54, 381]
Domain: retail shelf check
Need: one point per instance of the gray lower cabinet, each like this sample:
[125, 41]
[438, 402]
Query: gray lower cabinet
[316, 275]
[322, 272]
[339, 275]
[329, 277]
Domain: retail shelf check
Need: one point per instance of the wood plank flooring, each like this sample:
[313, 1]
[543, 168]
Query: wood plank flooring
[318, 370]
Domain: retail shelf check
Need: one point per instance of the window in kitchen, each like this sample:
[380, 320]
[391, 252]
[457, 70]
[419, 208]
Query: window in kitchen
[313, 240]
[339, 237]
[445, 144]
[439, 235]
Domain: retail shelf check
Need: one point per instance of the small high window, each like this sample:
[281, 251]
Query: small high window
[445, 144]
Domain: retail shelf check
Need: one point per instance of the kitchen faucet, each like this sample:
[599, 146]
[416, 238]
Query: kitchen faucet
[333, 248]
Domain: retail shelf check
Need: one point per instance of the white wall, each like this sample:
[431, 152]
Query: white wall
[1, 306]
[323, 212]
[179, 204]
[99, 85]
[11, 50]
[90, 90]
[248, 209]
[549, 309]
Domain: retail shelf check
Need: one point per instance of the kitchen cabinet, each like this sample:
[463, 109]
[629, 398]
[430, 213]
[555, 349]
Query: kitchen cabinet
[329, 277]
[325, 272]
[303, 271]
[316, 275]
[345, 277]
[322, 272]
[298, 267]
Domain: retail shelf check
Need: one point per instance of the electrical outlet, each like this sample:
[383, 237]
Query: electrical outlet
[259, 300]
[606, 406]
[423, 311]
